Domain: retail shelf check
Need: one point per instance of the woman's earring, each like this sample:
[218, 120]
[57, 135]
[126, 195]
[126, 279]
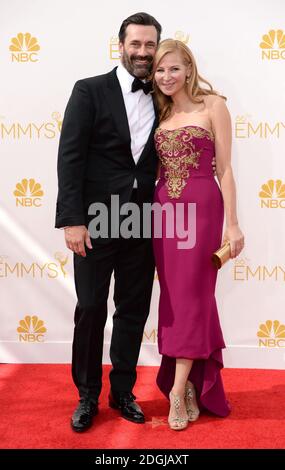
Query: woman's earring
[187, 79]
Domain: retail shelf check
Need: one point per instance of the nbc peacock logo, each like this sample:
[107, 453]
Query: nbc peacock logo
[28, 193]
[273, 45]
[271, 334]
[24, 48]
[31, 329]
[272, 195]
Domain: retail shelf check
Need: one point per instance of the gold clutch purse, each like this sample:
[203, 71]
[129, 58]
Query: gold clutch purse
[222, 255]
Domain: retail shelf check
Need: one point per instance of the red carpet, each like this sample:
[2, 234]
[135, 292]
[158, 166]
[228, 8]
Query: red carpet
[38, 400]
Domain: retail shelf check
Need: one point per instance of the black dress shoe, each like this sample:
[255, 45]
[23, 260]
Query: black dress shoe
[83, 415]
[125, 401]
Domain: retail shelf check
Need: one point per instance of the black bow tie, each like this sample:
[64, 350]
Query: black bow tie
[139, 85]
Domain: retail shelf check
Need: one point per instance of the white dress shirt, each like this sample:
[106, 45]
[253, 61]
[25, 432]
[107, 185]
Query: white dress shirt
[140, 113]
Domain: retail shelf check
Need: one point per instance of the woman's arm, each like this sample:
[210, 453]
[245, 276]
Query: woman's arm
[221, 124]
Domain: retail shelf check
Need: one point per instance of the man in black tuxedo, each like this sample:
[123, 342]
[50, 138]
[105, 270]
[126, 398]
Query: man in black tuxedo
[107, 148]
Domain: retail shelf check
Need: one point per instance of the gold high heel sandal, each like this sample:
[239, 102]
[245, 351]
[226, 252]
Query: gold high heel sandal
[176, 422]
[191, 402]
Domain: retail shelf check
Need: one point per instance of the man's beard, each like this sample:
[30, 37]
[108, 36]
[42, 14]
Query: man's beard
[137, 70]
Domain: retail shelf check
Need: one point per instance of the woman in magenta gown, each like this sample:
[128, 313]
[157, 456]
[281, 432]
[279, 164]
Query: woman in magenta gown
[194, 127]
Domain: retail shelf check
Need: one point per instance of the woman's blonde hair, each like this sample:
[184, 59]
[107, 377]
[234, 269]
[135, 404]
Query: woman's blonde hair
[193, 88]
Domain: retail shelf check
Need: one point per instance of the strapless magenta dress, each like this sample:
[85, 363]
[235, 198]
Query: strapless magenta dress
[189, 325]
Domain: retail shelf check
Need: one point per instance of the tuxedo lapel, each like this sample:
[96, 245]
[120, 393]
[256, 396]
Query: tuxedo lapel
[116, 103]
[115, 99]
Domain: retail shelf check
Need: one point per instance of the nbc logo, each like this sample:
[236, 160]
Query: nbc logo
[24, 48]
[273, 45]
[28, 193]
[272, 195]
[31, 329]
[114, 48]
[181, 36]
[271, 334]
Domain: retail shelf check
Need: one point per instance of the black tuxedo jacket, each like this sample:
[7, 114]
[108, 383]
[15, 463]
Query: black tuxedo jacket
[95, 158]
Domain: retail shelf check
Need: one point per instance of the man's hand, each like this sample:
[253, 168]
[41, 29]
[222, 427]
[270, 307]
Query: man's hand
[76, 238]
[214, 166]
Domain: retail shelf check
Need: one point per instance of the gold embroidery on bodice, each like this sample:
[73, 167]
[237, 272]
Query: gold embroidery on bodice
[177, 154]
[177, 172]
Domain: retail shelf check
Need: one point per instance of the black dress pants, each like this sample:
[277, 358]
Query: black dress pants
[132, 262]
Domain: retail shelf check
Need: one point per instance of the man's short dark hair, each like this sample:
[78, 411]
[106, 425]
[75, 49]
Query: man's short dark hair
[142, 19]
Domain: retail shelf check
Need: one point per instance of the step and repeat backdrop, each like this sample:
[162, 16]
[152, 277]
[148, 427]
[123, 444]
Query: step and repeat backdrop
[44, 48]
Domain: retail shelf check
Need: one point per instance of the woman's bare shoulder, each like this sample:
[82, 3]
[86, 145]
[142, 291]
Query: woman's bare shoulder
[213, 100]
